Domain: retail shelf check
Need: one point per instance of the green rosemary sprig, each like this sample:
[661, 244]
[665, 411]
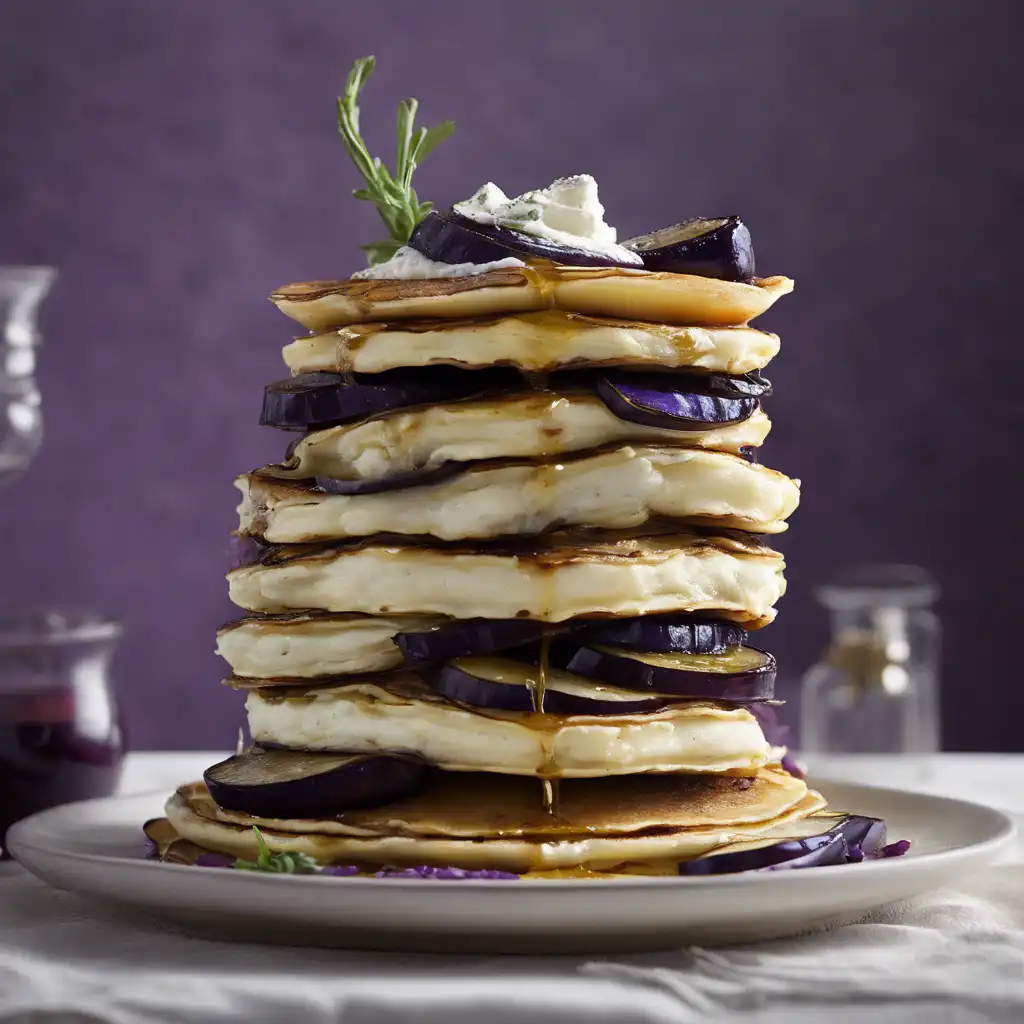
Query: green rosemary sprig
[277, 863]
[392, 194]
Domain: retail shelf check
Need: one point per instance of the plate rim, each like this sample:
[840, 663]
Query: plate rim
[1002, 830]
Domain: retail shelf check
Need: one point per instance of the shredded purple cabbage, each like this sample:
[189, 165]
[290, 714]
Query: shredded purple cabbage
[214, 860]
[897, 849]
[426, 871]
[854, 854]
[339, 870]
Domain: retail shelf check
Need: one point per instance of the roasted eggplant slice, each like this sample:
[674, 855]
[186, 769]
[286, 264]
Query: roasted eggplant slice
[664, 401]
[853, 839]
[507, 685]
[814, 851]
[863, 834]
[739, 675]
[295, 784]
[667, 633]
[314, 400]
[718, 247]
[452, 238]
[463, 637]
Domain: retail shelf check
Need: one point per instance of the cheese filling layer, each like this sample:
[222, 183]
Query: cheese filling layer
[362, 717]
[674, 572]
[303, 646]
[613, 490]
[534, 342]
[525, 426]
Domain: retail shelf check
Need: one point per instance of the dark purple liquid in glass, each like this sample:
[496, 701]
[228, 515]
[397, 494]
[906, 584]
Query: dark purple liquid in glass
[60, 734]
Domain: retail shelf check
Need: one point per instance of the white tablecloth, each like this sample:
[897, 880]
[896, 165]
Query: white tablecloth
[952, 956]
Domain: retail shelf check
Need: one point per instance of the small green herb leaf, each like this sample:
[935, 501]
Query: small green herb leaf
[393, 195]
[277, 863]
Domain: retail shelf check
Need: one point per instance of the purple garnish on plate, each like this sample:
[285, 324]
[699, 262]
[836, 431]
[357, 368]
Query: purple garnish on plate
[214, 860]
[897, 849]
[426, 871]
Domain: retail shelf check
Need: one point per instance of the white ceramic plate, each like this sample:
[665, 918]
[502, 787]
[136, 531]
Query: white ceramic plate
[96, 848]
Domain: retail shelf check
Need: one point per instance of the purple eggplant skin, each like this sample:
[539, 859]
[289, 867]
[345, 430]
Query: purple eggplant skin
[394, 482]
[814, 851]
[617, 668]
[670, 633]
[653, 400]
[717, 247]
[293, 784]
[448, 237]
[867, 834]
[465, 637]
[775, 732]
[312, 401]
[464, 688]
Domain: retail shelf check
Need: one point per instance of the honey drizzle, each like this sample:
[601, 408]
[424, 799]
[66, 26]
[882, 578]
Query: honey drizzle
[549, 784]
[543, 279]
[343, 359]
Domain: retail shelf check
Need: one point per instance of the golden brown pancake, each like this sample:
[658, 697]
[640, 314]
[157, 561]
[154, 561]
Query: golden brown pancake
[602, 291]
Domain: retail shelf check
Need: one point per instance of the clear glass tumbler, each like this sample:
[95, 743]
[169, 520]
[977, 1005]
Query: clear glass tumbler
[60, 731]
[22, 289]
[875, 689]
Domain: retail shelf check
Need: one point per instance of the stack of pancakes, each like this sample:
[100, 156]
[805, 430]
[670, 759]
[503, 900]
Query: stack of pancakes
[531, 502]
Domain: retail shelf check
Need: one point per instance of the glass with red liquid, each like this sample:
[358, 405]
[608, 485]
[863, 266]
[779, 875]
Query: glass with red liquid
[60, 732]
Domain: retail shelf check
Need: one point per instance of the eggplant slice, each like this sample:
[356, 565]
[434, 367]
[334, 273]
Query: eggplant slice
[449, 237]
[295, 784]
[719, 247]
[313, 400]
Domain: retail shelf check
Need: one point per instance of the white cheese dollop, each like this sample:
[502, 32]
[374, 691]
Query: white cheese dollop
[411, 265]
[568, 212]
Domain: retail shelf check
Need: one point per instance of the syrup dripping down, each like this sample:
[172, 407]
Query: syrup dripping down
[549, 785]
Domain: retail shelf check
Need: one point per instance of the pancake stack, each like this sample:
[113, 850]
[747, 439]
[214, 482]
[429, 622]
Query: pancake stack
[497, 608]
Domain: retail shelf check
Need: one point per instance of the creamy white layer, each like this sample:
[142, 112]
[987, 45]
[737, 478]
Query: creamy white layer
[657, 574]
[367, 717]
[410, 265]
[303, 646]
[535, 342]
[530, 425]
[619, 489]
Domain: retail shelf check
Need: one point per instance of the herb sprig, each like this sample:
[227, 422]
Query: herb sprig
[392, 194]
[277, 863]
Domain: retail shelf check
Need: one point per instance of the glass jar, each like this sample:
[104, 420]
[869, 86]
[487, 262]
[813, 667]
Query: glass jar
[21, 422]
[875, 688]
[60, 731]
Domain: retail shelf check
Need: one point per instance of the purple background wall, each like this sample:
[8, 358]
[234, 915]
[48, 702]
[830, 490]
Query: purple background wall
[178, 161]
